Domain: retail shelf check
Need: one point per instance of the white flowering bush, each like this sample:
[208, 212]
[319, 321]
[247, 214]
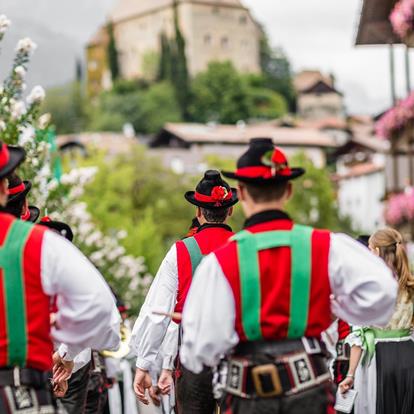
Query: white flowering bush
[21, 123]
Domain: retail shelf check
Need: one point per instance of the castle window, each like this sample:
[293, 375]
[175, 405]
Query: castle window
[224, 42]
[207, 39]
[243, 19]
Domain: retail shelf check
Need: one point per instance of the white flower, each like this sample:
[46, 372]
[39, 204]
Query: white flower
[27, 136]
[2, 125]
[4, 23]
[44, 121]
[37, 95]
[26, 45]
[20, 71]
[17, 109]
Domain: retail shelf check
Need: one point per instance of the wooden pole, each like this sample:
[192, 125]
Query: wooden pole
[392, 74]
[407, 70]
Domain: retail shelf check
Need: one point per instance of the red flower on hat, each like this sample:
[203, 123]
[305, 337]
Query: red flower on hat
[219, 193]
[277, 160]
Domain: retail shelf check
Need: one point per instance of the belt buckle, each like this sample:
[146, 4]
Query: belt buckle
[302, 371]
[311, 345]
[235, 377]
[271, 371]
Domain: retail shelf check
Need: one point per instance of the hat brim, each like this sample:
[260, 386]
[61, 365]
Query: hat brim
[34, 214]
[16, 157]
[22, 194]
[62, 228]
[190, 197]
[295, 173]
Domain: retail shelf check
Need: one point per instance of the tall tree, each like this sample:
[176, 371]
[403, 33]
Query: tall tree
[164, 70]
[112, 53]
[277, 71]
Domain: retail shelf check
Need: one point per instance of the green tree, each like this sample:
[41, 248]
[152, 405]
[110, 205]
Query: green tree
[112, 53]
[164, 70]
[277, 72]
[219, 94]
[146, 109]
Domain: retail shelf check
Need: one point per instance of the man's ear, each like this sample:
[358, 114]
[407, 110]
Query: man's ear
[241, 192]
[198, 212]
[4, 186]
[289, 191]
[231, 209]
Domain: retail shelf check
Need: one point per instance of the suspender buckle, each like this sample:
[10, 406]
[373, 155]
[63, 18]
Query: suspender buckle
[16, 377]
[267, 381]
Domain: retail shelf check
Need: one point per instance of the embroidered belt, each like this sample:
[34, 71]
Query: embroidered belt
[17, 377]
[283, 375]
[368, 336]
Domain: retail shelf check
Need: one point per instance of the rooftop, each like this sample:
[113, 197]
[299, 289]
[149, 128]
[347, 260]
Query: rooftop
[242, 134]
[374, 25]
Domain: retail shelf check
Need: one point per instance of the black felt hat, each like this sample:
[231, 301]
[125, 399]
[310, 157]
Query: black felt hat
[18, 189]
[212, 192]
[263, 163]
[10, 158]
[58, 226]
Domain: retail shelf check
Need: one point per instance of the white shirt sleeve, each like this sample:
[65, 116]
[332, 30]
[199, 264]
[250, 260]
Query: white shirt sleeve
[169, 347]
[82, 359]
[363, 287]
[208, 317]
[149, 329]
[87, 316]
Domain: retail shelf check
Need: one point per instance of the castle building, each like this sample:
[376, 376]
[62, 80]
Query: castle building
[214, 30]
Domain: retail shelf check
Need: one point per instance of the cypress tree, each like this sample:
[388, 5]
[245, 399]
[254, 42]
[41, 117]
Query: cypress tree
[112, 53]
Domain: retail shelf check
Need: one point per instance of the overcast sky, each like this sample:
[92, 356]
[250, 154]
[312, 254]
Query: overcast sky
[315, 34]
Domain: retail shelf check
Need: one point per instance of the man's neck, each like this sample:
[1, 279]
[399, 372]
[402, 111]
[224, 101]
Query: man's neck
[259, 208]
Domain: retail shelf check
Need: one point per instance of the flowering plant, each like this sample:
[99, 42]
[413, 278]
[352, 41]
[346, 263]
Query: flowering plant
[396, 119]
[21, 123]
[402, 18]
[400, 207]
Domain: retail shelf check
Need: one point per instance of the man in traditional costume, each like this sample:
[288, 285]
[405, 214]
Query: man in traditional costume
[268, 293]
[36, 265]
[214, 199]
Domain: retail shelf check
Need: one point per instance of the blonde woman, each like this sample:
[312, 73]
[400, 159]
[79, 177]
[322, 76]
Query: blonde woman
[382, 359]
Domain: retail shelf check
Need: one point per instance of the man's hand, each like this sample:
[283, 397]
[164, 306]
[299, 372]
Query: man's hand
[154, 393]
[165, 381]
[346, 385]
[60, 389]
[142, 382]
[62, 370]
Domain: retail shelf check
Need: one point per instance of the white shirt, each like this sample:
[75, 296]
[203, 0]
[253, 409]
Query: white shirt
[363, 287]
[150, 331]
[87, 316]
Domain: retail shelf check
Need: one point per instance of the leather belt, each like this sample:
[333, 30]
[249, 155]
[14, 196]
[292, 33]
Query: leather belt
[16, 377]
[283, 374]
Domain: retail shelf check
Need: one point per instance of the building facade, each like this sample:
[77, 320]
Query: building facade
[214, 30]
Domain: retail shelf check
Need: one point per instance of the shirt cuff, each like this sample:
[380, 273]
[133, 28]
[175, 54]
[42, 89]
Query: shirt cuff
[65, 353]
[143, 364]
[168, 363]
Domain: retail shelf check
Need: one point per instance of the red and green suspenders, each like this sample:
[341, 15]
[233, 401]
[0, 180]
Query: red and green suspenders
[12, 272]
[194, 251]
[299, 239]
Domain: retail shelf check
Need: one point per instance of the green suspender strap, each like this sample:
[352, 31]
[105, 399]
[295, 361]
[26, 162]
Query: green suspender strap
[194, 251]
[299, 239]
[11, 264]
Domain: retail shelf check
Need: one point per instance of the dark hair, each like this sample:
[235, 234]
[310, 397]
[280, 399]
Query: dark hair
[216, 215]
[15, 208]
[266, 192]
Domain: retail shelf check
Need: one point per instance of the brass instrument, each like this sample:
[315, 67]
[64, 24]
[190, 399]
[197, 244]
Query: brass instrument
[123, 349]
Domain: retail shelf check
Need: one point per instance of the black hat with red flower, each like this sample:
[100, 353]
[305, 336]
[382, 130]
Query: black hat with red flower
[263, 163]
[18, 189]
[10, 158]
[212, 192]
